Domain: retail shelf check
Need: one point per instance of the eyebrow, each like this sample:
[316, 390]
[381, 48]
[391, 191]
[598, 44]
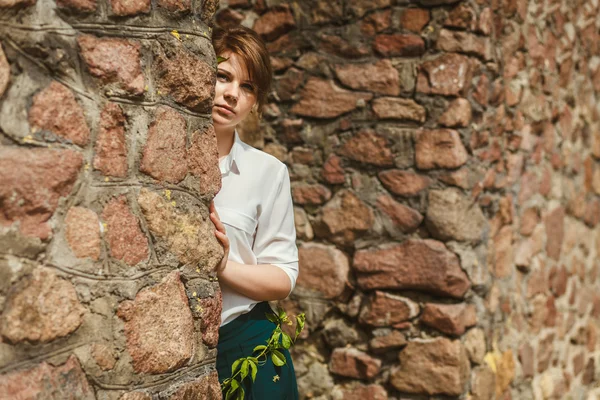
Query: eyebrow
[229, 74]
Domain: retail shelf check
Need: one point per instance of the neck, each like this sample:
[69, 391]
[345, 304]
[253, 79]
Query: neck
[225, 137]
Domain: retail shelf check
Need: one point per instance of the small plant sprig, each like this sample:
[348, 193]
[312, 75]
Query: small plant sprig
[247, 367]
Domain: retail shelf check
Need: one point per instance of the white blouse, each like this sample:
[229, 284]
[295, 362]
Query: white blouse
[255, 205]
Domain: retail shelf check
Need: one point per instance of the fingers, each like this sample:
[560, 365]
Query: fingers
[223, 239]
[214, 217]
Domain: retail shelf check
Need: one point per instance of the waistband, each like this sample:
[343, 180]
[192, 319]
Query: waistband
[246, 327]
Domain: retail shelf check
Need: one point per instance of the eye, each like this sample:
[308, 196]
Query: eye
[223, 77]
[249, 87]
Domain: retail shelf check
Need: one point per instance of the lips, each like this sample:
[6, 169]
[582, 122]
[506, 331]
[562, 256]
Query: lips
[225, 107]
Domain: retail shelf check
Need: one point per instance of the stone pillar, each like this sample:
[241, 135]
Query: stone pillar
[108, 162]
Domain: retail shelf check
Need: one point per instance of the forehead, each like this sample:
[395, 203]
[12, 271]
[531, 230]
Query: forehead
[235, 65]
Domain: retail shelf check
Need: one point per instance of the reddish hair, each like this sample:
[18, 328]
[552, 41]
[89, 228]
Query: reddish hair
[246, 44]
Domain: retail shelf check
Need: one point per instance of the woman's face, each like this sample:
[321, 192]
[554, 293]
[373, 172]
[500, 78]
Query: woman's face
[235, 94]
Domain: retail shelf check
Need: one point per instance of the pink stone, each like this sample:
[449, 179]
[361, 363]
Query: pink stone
[82, 231]
[323, 269]
[125, 238]
[111, 149]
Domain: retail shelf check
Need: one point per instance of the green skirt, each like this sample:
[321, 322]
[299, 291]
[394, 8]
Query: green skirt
[238, 338]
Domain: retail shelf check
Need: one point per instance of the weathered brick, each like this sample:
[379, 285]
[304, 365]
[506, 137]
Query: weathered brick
[360, 392]
[78, 5]
[458, 114]
[354, 363]
[432, 367]
[275, 22]
[4, 71]
[386, 309]
[398, 108]
[206, 388]
[187, 78]
[452, 216]
[399, 45]
[287, 86]
[414, 19]
[345, 217]
[114, 60]
[31, 183]
[555, 231]
[407, 219]
[404, 183]
[462, 42]
[175, 5]
[368, 147]
[424, 265]
[380, 77]
[165, 157]
[211, 318]
[184, 234]
[322, 99]
[203, 160]
[358, 8]
[376, 22]
[323, 269]
[129, 7]
[441, 148]
[333, 172]
[452, 319]
[45, 381]
[125, 238]
[388, 342]
[503, 252]
[55, 109]
[313, 194]
[111, 149]
[448, 75]
[41, 308]
[82, 231]
[159, 327]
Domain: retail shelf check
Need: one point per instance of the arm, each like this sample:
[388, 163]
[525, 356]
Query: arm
[263, 282]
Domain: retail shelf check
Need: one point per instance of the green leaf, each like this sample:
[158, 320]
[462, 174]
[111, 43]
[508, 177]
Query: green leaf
[244, 370]
[235, 365]
[286, 340]
[253, 371]
[260, 347]
[281, 313]
[300, 324]
[278, 358]
[221, 59]
[232, 390]
[241, 394]
[273, 318]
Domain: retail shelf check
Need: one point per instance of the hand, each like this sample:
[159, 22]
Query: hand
[221, 236]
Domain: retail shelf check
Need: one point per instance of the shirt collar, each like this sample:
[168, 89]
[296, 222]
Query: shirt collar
[232, 161]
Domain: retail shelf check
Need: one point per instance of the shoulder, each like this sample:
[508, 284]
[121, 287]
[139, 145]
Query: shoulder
[262, 163]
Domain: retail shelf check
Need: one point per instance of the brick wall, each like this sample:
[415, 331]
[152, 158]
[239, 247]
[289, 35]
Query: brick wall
[445, 158]
[108, 162]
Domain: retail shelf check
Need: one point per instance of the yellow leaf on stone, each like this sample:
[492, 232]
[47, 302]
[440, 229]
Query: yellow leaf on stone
[194, 294]
[105, 179]
[168, 194]
[173, 203]
[176, 34]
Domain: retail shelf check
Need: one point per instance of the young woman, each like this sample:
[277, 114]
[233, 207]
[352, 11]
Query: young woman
[254, 217]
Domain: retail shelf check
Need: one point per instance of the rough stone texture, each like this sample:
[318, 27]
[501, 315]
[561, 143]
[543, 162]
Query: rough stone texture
[159, 327]
[425, 265]
[458, 114]
[345, 216]
[380, 77]
[323, 269]
[203, 161]
[211, 318]
[385, 343]
[4, 71]
[398, 108]
[175, 5]
[187, 78]
[399, 45]
[185, 234]
[452, 216]
[405, 218]
[555, 232]
[82, 231]
[414, 19]
[111, 148]
[83, 6]
[164, 157]
[432, 366]
[370, 392]
[440, 148]
[354, 363]
[113, 60]
[310, 194]
[125, 238]
[384, 309]
[447, 75]
[129, 7]
[44, 381]
[452, 319]
[207, 387]
[274, 23]
[31, 183]
[55, 109]
[41, 308]
[368, 147]
[104, 356]
[322, 99]
[404, 183]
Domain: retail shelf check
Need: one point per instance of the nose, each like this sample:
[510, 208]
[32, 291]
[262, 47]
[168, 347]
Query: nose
[231, 93]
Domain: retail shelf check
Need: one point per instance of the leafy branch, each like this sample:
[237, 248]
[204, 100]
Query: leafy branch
[245, 368]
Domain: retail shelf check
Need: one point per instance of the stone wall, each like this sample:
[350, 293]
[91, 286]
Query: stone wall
[108, 162]
[445, 158]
